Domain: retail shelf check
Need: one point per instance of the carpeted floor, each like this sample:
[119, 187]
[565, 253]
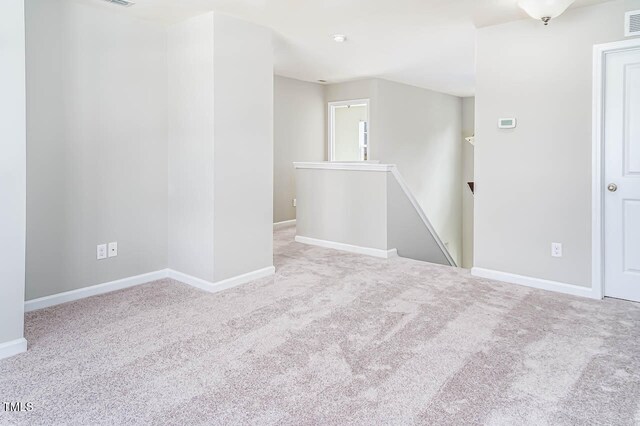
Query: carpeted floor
[333, 338]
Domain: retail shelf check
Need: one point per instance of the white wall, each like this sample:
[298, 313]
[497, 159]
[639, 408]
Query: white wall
[359, 89]
[343, 206]
[534, 182]
[468, 129]
[12, 172]
[406, 230]
[220, 147]
[98, 146]
[364, 206]
[299, 135]
[419, 131]
[96, 150]
[243, 153]
[190, 144]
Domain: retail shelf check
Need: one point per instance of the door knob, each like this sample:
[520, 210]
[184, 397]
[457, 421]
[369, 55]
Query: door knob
[612, 187]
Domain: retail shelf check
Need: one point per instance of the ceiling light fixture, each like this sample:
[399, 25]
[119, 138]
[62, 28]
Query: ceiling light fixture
[545, 10]
[339, 38]
[125, 3]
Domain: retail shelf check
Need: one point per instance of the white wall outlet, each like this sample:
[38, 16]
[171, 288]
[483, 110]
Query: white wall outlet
[295, 202]
[556, 249]
[113, 249]
[101, 251]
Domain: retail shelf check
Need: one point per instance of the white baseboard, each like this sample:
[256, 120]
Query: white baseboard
[94, 290]
[285, 224]
[536, 283]
[13, 347]
[220, 285]
[385, 254]
[81, 293]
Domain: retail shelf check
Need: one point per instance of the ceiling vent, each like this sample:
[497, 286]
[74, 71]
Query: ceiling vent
[125, 3]
[632, 24]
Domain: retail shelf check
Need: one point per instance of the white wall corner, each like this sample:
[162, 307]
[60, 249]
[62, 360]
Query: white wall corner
[284, 224]
[538, 283]
[221, 285]
[13, 181]
[13, 347]
[108, 287]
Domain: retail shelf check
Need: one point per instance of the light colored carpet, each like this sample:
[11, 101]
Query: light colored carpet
[333, 338]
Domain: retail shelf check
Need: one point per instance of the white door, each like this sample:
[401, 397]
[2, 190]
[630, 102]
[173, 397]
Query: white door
[622, 175]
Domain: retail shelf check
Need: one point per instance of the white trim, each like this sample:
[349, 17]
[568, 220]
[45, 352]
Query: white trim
[597, 172]
[597, 239]
[385, 254]
[423, 216]
[331, 119]
[363, 166]
[189, 280]
[221, 285]
[535, 283]
[13, 347]
[81, 293]
[284, 224]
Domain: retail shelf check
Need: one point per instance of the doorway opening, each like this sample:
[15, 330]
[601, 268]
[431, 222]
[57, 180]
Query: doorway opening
[349, 131]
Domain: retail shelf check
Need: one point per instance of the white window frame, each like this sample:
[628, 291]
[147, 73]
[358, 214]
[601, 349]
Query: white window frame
[332, 119]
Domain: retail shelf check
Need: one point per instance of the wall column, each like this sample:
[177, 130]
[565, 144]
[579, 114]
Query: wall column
[12, 177]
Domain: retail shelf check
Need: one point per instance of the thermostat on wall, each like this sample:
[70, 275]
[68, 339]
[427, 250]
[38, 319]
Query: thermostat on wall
[507, 123]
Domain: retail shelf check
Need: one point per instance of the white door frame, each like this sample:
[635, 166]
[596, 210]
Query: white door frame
[332, 118]
[600, 52]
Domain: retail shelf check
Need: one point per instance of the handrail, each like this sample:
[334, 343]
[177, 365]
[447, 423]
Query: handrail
[423, 216]
[376, 167]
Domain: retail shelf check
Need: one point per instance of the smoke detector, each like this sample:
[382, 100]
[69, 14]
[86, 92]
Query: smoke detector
[339, 38]
[632, 23]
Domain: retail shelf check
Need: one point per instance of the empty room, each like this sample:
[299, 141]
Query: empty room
[345, 212]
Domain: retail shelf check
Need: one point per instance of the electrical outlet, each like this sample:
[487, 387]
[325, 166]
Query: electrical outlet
[101, 251]
[556, 249]
[113, 249]
[295, 202]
